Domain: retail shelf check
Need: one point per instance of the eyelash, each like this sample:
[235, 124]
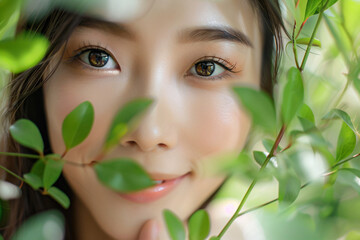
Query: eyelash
[88, 47]
[228, 67]
[225, 64]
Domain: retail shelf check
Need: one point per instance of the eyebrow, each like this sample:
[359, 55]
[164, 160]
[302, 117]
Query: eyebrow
[201, 34]
[215, 33]
[111, 27]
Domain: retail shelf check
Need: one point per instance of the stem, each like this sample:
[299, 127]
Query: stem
[294, 47]
[11, 173]
[345, 161]
[20, 155]
[251, 187]
[71, 162]
[326, 174]
[76, 163]
[64, 153]
[311, 40]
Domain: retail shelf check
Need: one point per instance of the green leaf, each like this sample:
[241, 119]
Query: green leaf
[306, 124]
[259, 157]
[9, 13]
[27, 134]
[23, 52]
[38, 168]
[315, 6]
[300, 10]
[119, 126]
[40, 226]
[268, 144]
[337, 113]
[350, 177]
[289, 188]
[33, 180]
[306, 41]
[214, 238]
[59, 196]
[293, 95]
[311, 7]
[354, 171]
[353, 235]
[199, 225]
[321, 6]
[77, 124]
[305, 112]
[123, 175]
[260, 106]
[346, 142]
[174, 226]
[53, 169]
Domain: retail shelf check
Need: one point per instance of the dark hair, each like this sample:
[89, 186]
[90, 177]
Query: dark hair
[25, 99]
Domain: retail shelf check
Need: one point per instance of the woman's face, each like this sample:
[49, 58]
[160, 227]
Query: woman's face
[186, 55]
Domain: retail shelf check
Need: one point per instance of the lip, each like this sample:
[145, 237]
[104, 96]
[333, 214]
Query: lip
[155, 192]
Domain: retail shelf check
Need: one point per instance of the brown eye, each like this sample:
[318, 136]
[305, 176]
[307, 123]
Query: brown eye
[98, 58]
[205, 69]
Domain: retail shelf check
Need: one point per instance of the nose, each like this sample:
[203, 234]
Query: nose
[153, 133]
[157, 128]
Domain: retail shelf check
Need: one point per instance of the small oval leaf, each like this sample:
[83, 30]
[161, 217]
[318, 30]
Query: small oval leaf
[77, 124]
[33, 180]
[199, 225]
[23, 52]
[289, 188]
[38, 227]
[27, 134]
[127, 113]
[293, 95]
[174, 226]
[53, 169]
[59, 196]
[259, 157]
[260, 106]
[123, 175]
[346, 142]
[306, 41]
[338, 113]
[305, 112]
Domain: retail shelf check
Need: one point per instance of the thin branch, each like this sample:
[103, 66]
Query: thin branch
[20, 155]
[253, 183]
[311, 40]
[11, 173]
[326, 174]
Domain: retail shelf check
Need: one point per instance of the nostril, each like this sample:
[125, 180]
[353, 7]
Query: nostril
[131, 143]
[162, 145]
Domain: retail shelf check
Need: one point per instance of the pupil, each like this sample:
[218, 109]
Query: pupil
[98, 58]
[205, 68]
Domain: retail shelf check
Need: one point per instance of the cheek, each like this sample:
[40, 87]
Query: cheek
[218, 123]
[62, 93]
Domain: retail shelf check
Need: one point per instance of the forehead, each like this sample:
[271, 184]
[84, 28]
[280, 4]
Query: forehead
[164, 18]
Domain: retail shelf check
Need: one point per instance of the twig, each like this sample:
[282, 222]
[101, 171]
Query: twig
[253, 183]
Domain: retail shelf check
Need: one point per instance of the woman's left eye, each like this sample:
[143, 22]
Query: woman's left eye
[97, 58]
[209, 69]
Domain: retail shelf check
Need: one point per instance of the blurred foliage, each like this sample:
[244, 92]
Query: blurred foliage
[309, 144]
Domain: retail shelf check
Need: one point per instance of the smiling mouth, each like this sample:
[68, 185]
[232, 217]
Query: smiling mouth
[161, 188]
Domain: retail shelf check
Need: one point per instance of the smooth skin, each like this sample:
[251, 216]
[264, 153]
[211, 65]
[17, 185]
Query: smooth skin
[160, 54]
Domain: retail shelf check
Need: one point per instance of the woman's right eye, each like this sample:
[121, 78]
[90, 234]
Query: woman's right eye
[98, 59]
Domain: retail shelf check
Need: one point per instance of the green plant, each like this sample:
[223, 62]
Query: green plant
[285, 123]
